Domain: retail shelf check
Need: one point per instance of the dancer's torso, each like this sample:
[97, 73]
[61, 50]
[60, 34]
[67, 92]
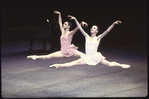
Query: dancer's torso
[65, 41]
[91, 46]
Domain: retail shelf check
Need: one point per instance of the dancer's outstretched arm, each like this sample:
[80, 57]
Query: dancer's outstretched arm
[107, 31]
[76, 29]
[59, 20]
[79, 26]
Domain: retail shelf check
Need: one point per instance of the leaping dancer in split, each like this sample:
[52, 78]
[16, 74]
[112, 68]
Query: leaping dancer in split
[67, 49]
[92, 57]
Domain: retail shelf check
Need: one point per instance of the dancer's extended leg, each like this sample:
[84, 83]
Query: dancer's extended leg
[69, 64]
[78, 53]
[105, 62]
[52, 55]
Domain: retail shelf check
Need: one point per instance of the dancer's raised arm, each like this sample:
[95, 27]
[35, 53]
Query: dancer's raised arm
[79, 26]
[107, 31]
[59, 20]
[84, 24]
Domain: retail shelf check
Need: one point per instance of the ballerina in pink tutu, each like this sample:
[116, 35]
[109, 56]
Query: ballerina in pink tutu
[67, 49]
[92, 57]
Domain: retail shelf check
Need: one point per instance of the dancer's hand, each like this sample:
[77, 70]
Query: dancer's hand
[84, 24]
[71, 17]
[118, 22]
[56, 12]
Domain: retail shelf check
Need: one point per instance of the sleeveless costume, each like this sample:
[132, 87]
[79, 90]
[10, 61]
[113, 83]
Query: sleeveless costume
[92, 57]
[67, 49]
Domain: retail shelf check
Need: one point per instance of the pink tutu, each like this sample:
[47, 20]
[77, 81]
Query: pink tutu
[69, 51]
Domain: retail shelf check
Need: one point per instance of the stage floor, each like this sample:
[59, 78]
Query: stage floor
[25, 78]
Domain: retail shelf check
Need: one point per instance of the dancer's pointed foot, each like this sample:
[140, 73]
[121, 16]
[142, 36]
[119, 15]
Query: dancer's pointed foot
[57, 66]
[33, 57]
[125, 66]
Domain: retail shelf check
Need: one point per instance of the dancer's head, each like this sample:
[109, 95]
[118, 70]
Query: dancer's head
[67, 25]
[94, 29]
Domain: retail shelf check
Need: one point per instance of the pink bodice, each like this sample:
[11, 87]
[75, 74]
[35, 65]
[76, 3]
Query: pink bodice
[65, 42]
[67, 49]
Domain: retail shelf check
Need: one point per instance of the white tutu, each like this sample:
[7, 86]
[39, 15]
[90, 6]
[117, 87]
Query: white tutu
[94, 59]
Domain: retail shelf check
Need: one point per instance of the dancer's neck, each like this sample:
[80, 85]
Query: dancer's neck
[67, 30]
[93, 35]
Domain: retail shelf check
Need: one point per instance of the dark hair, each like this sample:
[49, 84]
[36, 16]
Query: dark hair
[96, 24]
[97, 27]
[69, 23]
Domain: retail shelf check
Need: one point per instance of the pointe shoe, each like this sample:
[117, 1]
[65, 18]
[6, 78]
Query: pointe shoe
[52, 66]
[33, 57]
[125, 66]
[57, 66]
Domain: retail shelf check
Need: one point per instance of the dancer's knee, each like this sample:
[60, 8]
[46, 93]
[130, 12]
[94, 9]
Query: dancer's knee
[105, 62]
[112, 63]
[109, 64]
[57, 54]
[81, 62]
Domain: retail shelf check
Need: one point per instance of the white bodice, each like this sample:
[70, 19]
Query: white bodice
[91, 47]
[92, 57]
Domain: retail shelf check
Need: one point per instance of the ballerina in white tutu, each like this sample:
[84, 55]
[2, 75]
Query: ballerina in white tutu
[92, 57]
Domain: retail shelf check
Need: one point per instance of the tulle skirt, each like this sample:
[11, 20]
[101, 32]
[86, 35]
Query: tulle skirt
[69, 50]
[93, 59]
